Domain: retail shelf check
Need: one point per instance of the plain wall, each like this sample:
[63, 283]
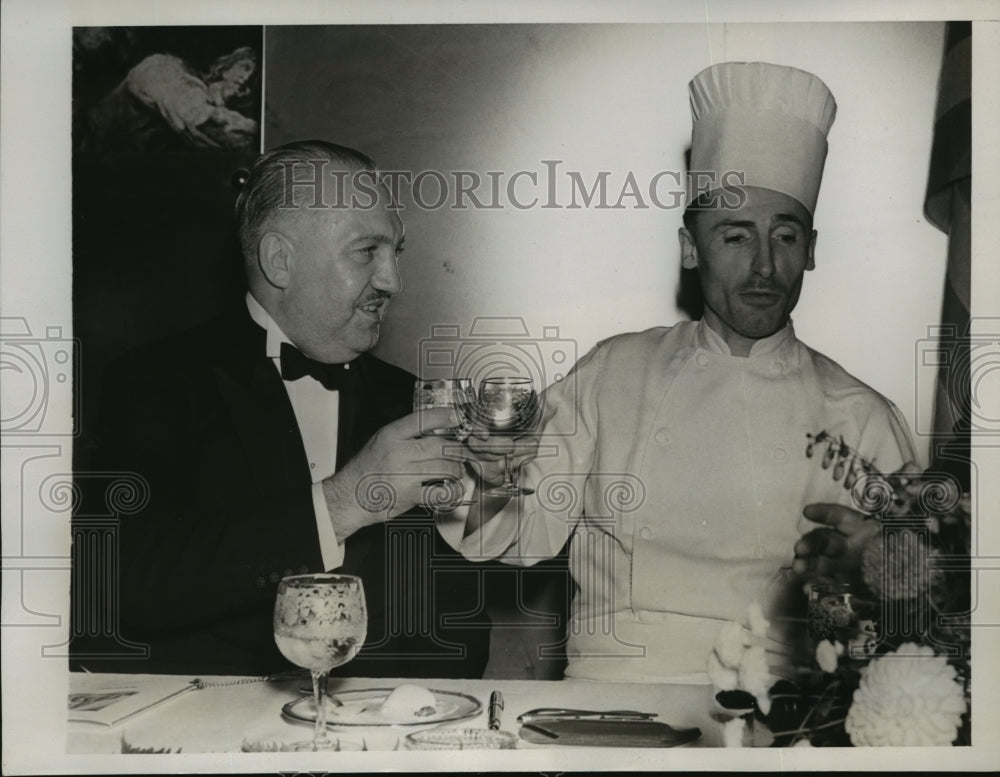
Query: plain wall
[614, 98]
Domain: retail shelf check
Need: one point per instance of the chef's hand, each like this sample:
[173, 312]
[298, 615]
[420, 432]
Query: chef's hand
[487, 452]
[484, 459]
[832, 554]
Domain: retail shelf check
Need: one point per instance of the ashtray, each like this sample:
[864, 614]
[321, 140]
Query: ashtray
[276, 746]
[460, 739]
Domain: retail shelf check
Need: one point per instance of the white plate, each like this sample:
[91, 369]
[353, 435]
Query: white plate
[363, 708]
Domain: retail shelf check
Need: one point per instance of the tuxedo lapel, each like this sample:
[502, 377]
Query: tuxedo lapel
[376, 400]
[255, 397]
[352, 417]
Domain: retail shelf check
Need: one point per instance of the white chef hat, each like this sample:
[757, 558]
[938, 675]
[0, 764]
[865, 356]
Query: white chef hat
[767, 121]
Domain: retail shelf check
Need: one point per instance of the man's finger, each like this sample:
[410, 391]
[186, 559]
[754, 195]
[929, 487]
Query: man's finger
[434, 469]
[828, 568]
[433, 472]
[423, 422]
[437, 418]
[821, 542]
[843, 519]
[431, 448]
[525, 453]
[526, 445]
[441, 492]
[491, 447]
[806, 565]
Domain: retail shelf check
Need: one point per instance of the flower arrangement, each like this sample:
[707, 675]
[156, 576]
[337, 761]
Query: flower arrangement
[882, 661]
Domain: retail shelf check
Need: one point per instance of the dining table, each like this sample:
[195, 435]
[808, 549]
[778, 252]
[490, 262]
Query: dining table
[231, 715]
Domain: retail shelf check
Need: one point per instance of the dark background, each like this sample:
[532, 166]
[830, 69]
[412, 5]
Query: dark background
[154, 249]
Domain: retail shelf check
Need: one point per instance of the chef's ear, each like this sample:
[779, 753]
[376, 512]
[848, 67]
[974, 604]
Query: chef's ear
[689, 251]
[811, 256]
[274, 256]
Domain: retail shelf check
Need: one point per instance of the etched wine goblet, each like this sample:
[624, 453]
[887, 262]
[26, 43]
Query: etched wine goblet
[320, 622]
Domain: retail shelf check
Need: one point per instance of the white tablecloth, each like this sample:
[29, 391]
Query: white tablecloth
[218, 718]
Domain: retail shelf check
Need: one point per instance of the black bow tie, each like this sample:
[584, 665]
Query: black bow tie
[295, 364]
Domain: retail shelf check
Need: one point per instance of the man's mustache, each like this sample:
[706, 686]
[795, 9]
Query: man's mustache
[375, 296]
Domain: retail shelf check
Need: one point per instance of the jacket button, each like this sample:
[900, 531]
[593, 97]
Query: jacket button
[646, 533]
[702, 359]
[777, 367]
[661, 437]
[779, 454]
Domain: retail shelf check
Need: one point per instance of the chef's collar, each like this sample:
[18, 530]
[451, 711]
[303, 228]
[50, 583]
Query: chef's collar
[710, 340]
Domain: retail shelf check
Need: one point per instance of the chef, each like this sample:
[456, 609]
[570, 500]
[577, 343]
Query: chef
[685, 455]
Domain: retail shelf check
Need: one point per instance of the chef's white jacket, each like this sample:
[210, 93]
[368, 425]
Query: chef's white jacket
[680, 472]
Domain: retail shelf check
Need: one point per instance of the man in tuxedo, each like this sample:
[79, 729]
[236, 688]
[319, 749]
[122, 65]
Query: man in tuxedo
[274, 443]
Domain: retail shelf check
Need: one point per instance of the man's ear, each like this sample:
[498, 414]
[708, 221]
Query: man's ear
[811, 256]
[274, 255]
[689, 251]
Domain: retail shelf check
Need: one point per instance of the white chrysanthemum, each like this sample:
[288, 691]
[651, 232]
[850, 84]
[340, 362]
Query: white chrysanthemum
[732, 642]
[910, 697]
[757, 622]
[725, 678]
[897, 570]
[826, 656]
[755, 676]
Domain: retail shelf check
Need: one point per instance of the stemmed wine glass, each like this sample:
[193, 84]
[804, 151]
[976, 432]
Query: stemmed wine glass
[444, 392]
[507, 406]
[457, 393]
[320, 621]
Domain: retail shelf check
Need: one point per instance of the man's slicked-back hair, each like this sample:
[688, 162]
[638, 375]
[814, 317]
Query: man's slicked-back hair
[266, 187]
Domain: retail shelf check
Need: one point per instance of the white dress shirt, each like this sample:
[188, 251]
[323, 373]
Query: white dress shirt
[316, 411]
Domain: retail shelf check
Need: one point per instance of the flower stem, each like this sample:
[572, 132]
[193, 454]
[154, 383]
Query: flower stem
[828, 724]
[815, 707]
